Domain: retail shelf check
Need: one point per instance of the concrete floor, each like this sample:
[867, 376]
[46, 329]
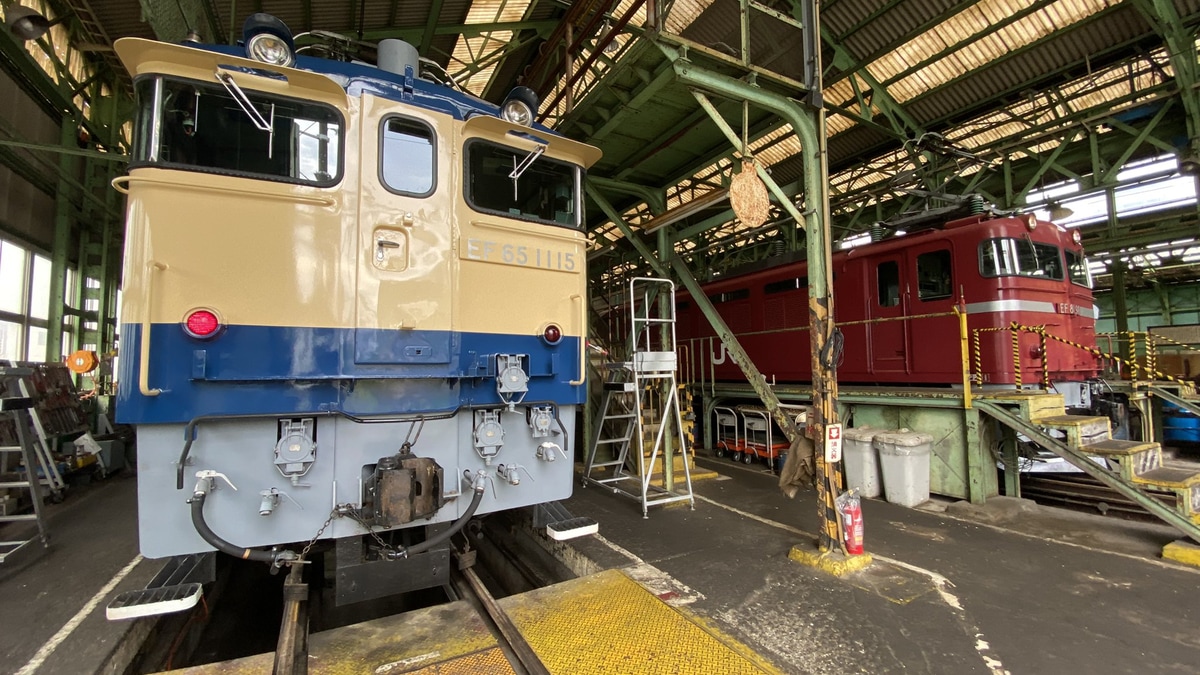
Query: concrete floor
[48, 623]
[945, 595]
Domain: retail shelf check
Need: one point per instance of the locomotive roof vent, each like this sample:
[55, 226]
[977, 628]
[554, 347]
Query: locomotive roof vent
[397, 55]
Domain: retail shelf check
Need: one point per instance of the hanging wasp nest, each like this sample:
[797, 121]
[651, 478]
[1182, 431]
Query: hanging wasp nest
[748, 196]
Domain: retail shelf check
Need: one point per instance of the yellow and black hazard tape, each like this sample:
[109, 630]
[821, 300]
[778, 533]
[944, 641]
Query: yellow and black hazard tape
[1134, 368]
[978, 350]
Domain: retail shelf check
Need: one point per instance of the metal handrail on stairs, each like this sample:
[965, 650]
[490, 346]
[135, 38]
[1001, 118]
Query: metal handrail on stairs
[1084, 463]
[1172, 397]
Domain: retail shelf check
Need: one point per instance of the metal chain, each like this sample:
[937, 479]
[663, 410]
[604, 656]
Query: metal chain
[389, 551]
[308, 547]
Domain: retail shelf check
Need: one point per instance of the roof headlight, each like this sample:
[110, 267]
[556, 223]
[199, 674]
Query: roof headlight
[519, 106]
[270, 49]
[268, 40]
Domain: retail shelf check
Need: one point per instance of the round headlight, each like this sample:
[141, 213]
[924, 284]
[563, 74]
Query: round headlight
[517, 112]
[270, 48]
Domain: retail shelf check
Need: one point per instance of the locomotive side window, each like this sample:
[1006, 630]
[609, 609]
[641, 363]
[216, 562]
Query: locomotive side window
[739, 294]
[406, 158]
[786, 285]
[1078, 269]
[933, 275]
[1020, 257]
[201, 126]
[545, 191]
[889, 283]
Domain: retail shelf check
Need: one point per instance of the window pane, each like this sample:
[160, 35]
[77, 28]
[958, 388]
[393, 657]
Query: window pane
[40, 300]
[545, 190]
[786, 285]
[1078, 269]
[37, 344]
[12, 278]
[933, 276]
[1003, 257]
[202, 125]
[1039, 260]
[889, 284]
[407, 156]
[10, 341]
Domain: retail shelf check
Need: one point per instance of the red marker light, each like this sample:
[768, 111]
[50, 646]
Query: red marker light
[201, 324]
[552, 334]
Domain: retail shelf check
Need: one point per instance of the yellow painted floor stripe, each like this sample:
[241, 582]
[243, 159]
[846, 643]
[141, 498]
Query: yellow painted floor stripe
[607, 623]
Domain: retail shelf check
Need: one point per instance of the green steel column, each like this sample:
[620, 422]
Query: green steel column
[667, 421]
[1012, 464]
[978, 459]
[64, 218]
[1121, 308]
[809, 126]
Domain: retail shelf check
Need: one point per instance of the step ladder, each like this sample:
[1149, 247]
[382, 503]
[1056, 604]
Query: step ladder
[17, 409]
[631, 425]
[1130, 467]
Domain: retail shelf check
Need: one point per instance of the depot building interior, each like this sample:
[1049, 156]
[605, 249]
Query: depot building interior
[872, 336]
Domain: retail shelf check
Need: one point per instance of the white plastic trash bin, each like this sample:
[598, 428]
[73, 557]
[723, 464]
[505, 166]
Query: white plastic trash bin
[904, 465]
[862, 462]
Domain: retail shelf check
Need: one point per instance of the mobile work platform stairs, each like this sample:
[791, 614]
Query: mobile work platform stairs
[1132, 468]
[640, 403]
[16, 409]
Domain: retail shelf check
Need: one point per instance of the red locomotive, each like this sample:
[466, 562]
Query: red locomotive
[1000, 269]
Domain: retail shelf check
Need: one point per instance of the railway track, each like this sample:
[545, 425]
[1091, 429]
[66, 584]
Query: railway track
[1084, 493]
[242, 615]
[521, 657]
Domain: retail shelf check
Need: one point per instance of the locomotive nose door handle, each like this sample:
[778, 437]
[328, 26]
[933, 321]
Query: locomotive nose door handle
[381, 247]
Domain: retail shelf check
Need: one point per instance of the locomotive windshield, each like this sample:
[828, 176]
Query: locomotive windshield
[1004, 257]
[1078, 269]
[204, 127]
[545, 191]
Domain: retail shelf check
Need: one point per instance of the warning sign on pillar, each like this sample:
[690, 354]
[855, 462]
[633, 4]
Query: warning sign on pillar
[833, 443]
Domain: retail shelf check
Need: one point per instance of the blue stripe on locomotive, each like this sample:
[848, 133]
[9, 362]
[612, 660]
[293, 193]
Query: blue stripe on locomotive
[283, 369]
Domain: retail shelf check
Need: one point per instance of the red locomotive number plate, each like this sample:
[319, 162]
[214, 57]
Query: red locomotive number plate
[1067, 308]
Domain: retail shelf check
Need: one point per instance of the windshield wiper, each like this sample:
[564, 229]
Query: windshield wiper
[256, 118]
[520, 168]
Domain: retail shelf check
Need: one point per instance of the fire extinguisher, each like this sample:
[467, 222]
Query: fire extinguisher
[850, 508]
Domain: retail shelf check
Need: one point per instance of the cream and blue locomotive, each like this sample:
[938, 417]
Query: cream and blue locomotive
[351, 295]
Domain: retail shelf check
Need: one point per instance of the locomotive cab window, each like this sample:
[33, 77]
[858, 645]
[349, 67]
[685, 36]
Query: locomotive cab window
[406, 163]
[888, 274]
[215, 128]
[1078, 269]
[521, 184]
[1020, 257]
[933, 275]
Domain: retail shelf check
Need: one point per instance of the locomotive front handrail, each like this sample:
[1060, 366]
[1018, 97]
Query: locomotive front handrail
[582, 340]
[144, 348]
[121, 184]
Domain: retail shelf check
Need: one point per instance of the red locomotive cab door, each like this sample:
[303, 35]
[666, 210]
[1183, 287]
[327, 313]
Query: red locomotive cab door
[887, 341]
